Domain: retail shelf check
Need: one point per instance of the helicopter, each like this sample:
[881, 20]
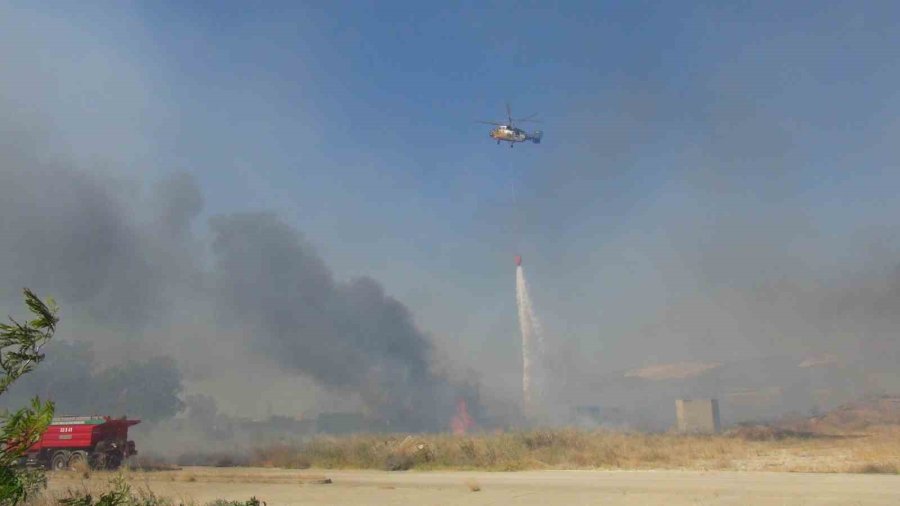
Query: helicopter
[512, 134]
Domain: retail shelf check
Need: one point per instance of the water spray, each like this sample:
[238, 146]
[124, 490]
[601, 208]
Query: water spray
[530, 329]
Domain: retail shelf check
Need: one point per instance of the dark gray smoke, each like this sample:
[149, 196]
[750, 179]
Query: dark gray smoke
[694, 220]
[66, 233]
[346, 335]
[72, 378]
[178, 202]
[131, 271]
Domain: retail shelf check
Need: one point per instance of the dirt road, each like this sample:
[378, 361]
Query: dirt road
[540, 488]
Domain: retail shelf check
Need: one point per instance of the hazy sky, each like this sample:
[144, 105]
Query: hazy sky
[704, 166]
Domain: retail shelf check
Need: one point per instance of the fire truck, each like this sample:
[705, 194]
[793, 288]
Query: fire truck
[69, 442]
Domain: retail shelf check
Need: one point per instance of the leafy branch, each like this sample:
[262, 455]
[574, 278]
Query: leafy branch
[21, 343]
[20, 352]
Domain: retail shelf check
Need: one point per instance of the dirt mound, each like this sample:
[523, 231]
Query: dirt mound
[766, 433]
[678, 370]
[852, 416]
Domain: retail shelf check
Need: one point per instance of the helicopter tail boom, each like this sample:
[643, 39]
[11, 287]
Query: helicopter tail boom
[536, 137]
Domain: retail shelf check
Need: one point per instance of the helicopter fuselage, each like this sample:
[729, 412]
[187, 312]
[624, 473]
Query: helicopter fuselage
[513, 135]
[508, 132]
[505, 133]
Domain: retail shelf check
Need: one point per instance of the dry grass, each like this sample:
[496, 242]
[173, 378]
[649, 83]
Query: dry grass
[883, 468]
[755, 448]
[150, 462]
[121, 482]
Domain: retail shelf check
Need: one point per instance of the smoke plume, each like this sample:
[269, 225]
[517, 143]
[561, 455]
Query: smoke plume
[70, 376]
[124, 274]
[345, 335]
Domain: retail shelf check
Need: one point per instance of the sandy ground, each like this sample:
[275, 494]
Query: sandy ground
[286, 487]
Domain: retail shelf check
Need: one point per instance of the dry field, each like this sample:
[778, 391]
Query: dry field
[748, 449]
[750, 465]
[197, 485]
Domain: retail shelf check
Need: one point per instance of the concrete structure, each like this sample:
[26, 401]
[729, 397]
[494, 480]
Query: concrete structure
[697, 415]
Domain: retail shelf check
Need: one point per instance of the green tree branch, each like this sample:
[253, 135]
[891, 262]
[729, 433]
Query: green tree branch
[20, 352]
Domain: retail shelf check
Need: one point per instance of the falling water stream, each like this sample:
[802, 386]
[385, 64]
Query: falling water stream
[532, 342]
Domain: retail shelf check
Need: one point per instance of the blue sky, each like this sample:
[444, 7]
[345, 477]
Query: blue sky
[688, 146]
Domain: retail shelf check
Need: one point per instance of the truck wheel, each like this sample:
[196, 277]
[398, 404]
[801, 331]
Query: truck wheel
[78, 461]
[98, 460]
[60, 461]
[113, 462]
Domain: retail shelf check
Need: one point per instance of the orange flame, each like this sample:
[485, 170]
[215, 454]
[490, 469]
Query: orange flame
[461, 421]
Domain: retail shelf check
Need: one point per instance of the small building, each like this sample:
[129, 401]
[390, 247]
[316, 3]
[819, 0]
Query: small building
[697, 415]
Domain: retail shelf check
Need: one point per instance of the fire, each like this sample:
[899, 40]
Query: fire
[461, 421]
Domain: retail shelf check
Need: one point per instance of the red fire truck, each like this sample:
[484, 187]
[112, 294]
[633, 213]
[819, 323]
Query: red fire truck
[100, 442]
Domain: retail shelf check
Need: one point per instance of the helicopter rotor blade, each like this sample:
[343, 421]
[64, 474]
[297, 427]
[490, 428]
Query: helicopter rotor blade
[509, 113]
[490, 123]
[526, 118]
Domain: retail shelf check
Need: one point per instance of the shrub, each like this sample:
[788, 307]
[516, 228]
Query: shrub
[252, 502]
[120, 493]
[20, 352]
